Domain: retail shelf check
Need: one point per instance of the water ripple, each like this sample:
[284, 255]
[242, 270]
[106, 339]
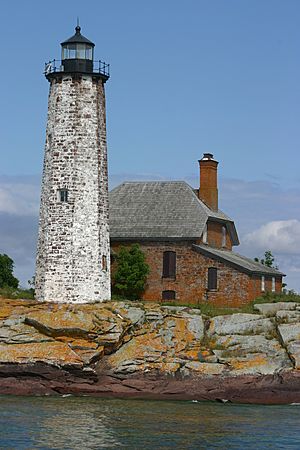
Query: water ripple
[92, 423]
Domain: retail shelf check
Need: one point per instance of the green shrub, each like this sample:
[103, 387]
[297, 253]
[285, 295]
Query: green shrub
[131, 273]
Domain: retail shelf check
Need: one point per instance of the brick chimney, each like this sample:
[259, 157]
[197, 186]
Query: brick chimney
[208, 191]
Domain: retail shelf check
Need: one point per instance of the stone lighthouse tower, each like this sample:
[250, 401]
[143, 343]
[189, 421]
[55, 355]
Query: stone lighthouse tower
[73, 263]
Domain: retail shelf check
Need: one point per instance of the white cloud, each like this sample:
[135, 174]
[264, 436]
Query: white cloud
[280, 236]
[290, 264]
[19, 195]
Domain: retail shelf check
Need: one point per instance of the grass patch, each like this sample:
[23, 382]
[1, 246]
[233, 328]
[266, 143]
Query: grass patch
[123, 298]
[17, 293]
[211, 310]
[272, 297]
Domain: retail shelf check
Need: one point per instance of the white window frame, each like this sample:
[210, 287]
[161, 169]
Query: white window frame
[273, 284]
[263, 284]
[224, 233]
[204, 235]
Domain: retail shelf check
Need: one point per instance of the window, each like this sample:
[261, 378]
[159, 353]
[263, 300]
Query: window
[63, 195]
[89, 52]
[69, 51]
[212, 282]
[168, 295]
[273, 284]
[80, 51]
[223, 236]
[263, 283]
[77, 51]
[104, 262]
[169, 265]
[204, 235]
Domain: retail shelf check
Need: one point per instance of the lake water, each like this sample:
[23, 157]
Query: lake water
[93, 423]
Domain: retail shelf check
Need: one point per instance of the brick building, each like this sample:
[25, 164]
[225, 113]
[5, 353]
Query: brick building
[187, 241]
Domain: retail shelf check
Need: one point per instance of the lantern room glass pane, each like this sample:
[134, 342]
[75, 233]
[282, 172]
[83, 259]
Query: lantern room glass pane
[64, 53]
[77, 51]
[80, 51]
[89, 52]
[72, 54]
[69, 51]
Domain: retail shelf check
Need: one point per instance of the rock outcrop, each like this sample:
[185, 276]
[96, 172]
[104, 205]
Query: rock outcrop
[150, 351]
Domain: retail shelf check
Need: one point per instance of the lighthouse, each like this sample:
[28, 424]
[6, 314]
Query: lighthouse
[73, 255]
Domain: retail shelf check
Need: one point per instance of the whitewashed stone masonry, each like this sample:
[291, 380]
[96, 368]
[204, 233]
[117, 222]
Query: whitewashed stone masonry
[73, 256]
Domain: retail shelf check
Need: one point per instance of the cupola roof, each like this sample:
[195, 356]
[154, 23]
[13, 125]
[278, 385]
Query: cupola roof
[78, 38]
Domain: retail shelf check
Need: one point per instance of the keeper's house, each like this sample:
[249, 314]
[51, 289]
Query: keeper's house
[187, 241]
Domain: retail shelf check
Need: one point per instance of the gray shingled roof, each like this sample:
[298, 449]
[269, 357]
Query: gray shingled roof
[235, 260]
[160, 210]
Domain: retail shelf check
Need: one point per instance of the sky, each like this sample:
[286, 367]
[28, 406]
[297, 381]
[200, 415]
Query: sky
[219, 76]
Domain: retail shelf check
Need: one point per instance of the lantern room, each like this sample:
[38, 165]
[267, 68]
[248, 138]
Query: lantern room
[77, 53]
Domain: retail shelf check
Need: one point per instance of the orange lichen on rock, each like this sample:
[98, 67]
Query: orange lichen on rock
[131, 338]
[15, 307]
[56, 353]
[143, 347]
[205, 368]
[256, 362]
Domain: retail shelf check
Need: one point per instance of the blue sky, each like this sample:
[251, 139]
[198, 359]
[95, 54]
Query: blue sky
[186, 78]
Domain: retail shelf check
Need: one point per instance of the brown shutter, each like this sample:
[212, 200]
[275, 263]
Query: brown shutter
[169, 264]
[165, 265]
[212, 282]
[172, 257]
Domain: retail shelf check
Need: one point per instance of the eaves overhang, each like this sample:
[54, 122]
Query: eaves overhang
[153, 239]
[211, 253]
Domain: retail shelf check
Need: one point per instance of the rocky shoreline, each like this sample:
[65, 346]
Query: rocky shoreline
[133, 350]
[44, 381]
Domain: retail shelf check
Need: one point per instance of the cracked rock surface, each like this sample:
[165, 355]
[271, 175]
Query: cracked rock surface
[130, 348]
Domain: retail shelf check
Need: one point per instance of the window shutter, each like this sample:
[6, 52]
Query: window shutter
[212, 282]
[172, 258]
[169, 264]
[166, 264]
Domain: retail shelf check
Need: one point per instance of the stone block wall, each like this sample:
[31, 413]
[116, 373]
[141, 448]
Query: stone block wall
[73, 241]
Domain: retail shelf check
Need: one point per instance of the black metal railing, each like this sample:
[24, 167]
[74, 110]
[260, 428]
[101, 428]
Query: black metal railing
[56, 65]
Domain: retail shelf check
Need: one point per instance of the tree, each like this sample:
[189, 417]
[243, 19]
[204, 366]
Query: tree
[31, 283]
[7, 278]
[131, 273]
[268, 260]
